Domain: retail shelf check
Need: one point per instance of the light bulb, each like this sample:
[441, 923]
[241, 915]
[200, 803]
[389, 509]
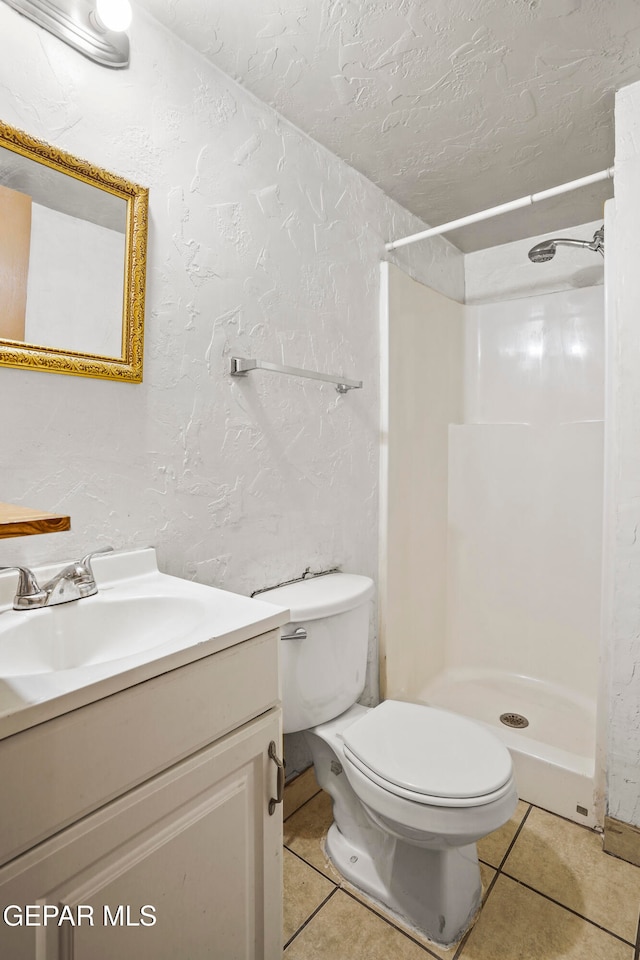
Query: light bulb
[114, 14]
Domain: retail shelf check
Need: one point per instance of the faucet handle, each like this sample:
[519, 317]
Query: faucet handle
[86, 561]
[29, 593]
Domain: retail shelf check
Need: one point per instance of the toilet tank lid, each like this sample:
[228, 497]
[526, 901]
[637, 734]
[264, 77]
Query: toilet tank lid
[321, 596]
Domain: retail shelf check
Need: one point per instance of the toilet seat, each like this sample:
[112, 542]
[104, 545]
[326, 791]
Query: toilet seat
[423, 798]
[428, 755]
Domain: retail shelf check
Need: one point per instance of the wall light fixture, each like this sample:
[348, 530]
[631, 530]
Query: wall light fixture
[93, 27]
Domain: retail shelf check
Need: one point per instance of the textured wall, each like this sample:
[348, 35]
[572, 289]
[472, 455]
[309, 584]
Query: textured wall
[262, 244]
[624, 625]
[450, 106]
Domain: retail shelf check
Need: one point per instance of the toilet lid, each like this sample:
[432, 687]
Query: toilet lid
[429, 751]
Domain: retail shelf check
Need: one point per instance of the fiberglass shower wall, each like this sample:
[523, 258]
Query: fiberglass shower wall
[490, 597]
[525, 491]
[422, 351]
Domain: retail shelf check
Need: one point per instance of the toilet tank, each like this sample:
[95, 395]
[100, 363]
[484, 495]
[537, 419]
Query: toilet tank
[324, 673]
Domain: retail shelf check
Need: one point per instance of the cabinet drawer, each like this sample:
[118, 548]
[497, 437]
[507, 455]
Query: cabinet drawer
[54, 774]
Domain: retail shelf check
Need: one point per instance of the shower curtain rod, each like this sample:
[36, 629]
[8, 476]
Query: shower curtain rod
[503, 208]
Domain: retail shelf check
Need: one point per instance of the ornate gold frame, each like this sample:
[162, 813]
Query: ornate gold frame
[127, 367]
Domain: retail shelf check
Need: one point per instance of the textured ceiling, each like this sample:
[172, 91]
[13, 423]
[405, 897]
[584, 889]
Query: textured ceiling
[449, 106]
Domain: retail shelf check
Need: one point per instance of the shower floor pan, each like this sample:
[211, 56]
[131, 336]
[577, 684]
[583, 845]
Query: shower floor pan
[553, 756]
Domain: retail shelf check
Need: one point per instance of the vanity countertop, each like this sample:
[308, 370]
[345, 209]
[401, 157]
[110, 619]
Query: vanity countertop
[140, 624]
[18, 521]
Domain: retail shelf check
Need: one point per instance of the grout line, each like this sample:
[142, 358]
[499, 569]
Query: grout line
[309, 864]
[496, 874]
[377, 913]
[559, 816]
[500, 870]
[303, 804]
[310, 917]
[389, 922]
[515, 837]
[568, 909]
[463, 942]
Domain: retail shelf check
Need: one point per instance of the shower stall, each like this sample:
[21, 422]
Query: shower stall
[492, 506]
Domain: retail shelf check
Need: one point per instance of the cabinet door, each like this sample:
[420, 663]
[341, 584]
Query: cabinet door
[187, 866]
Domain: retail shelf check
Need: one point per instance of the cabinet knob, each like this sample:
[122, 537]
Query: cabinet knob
[274, 801]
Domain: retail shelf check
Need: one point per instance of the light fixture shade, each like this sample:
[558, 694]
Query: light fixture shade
[114, 14]
[73, 22]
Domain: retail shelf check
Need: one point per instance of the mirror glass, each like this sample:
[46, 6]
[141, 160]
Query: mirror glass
[72, 263]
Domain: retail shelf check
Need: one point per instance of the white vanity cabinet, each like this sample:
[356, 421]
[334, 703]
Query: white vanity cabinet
[146, 815]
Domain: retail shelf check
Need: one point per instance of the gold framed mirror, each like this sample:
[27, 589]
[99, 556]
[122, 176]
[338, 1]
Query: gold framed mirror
[73, 246]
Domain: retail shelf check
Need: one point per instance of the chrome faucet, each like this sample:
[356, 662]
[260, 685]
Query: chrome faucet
[74, 582]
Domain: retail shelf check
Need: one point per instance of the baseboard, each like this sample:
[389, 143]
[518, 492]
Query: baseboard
[622, 840]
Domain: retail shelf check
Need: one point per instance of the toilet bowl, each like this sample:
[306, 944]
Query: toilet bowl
[413, 787]
[414, 852]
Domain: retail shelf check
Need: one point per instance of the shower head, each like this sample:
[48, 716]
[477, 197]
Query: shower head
[547, 249]
[543, 251]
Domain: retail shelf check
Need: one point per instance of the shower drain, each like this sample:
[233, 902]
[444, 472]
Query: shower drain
[514, 720]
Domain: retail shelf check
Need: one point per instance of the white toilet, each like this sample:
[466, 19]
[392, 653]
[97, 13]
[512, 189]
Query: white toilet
[413, 787]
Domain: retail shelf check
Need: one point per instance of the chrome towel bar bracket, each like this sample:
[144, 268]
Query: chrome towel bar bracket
[240, 367]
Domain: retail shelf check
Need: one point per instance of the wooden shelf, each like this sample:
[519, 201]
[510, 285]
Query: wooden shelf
[24, 522]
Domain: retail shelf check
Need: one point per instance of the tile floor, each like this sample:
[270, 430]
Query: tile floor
[550, 893]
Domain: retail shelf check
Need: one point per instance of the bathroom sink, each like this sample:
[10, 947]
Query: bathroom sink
[140, 624]
[92, 631]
